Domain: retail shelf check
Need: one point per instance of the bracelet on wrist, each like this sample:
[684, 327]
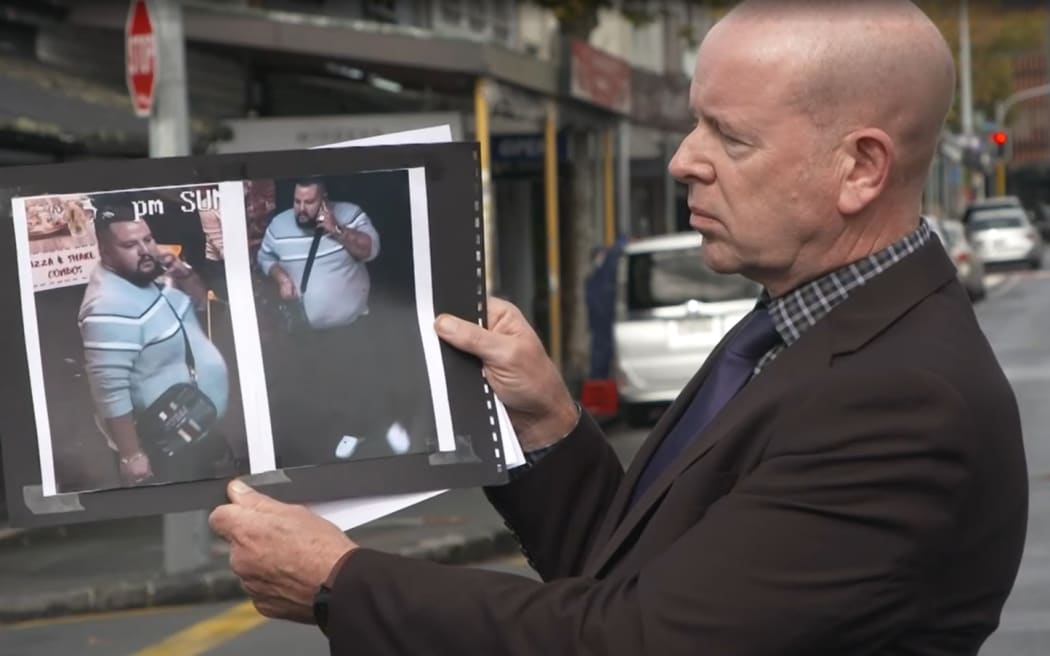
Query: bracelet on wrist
[132, 458]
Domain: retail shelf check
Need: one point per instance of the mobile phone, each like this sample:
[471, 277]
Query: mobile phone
[323, 211]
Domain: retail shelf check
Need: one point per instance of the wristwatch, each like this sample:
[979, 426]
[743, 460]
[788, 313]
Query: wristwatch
[321, 599]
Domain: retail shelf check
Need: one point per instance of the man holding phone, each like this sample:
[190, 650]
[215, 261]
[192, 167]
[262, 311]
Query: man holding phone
[141, 336]
[315, 253]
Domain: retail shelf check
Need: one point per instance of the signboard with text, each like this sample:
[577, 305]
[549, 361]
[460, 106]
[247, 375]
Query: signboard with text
[599, 78]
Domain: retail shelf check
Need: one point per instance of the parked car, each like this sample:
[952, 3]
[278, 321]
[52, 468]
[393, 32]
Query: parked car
[1005, 236]
[671, 312]
[990, 203]
[968, 265]
[1042, 219]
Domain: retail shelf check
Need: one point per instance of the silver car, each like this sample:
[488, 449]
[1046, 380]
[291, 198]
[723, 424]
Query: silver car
[1005, 235]
[968, 265]
[671, 312]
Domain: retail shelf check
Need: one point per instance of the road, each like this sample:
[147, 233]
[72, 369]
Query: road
[1016, 317]
[1017, 321]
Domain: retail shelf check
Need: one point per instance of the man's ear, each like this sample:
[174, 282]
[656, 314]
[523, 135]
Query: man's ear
[870, 157]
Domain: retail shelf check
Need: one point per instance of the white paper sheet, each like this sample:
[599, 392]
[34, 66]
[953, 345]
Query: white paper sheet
[350, 513]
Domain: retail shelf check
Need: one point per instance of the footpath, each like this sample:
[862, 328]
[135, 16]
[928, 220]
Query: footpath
[116, 565]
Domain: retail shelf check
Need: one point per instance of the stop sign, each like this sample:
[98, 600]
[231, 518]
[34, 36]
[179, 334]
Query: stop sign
[140, 57]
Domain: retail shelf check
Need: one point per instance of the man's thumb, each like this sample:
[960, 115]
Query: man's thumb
[466, 336]
[242, 494]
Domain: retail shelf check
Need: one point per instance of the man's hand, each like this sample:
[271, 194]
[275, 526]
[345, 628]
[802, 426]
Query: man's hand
[281, 552]
[184, 278]
[286, 288]
[326, 220]
[135, 468]
[285, 285]
[174, 266]
[517, 367]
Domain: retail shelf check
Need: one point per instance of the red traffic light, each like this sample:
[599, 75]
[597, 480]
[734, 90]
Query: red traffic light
[999, 138]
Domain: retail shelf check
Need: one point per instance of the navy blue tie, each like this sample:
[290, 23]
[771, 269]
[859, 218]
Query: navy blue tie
[736, 362]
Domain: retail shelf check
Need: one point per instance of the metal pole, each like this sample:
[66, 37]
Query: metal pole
[977, 181]
[169, 127]
[670, 211]
[1004, 106]
[609, 187]
[187, 538]
[550, 184]
[481, 132]
[623, 178]
[965, 79]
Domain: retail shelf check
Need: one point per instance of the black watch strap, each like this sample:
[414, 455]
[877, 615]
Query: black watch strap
[321, 599]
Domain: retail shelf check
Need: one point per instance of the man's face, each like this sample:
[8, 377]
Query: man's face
[131, 252]
[759, 175]
[307, 204]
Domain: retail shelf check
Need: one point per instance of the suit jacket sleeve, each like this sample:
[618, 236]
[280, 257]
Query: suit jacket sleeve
[556, 508]
[819, 549]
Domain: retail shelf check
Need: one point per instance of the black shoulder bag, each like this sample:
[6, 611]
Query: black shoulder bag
[182, 416]
[293, 314]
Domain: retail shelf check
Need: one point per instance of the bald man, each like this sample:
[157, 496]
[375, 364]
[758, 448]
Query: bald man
[844, 475]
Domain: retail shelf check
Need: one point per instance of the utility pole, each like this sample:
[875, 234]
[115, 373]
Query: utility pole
[966, 90]
[187, 538]
[965, 76]
[169, 126]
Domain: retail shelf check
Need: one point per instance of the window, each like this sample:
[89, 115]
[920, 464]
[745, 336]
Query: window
[382, 10]
[484, 19]
[452, 11]
[674, 277]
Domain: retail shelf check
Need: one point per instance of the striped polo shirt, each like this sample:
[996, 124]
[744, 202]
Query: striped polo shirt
[134, 349]
[338, 287]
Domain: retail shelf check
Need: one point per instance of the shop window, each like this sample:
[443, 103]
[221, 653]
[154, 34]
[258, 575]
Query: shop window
[492, 19]
[381, 10]
[452, 11]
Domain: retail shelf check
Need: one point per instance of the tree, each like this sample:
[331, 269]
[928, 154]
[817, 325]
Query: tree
[998, 32]
[578, 18]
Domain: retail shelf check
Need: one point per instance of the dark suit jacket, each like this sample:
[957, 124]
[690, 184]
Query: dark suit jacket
[865, 494]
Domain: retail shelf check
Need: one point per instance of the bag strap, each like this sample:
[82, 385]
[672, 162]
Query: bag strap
[318, 233]
[191, 363]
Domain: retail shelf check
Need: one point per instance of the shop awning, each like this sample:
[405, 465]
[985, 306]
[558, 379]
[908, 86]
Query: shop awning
[44, 108]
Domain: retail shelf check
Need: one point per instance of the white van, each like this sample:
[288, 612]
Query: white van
[671, 311]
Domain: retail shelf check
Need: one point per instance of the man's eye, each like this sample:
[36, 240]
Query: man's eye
[730, 139]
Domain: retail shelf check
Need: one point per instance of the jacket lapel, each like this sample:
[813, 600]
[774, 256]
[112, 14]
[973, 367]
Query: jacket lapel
[809, 351]
[656, 436]
[867, 312]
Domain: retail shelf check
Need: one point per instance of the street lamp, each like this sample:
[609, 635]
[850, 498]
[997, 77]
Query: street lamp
[1004, 106]
[1001, 108]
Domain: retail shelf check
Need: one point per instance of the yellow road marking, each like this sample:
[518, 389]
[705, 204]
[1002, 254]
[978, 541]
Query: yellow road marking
[91, 617]
[207, 634]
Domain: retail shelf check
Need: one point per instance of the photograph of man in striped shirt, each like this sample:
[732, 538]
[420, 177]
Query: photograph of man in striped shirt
[316, 251]
[342, 352]
[138, 321]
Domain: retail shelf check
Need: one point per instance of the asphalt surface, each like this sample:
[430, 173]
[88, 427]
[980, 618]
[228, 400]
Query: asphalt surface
[1016, 318]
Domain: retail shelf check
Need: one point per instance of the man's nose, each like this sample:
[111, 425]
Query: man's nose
[690, 162]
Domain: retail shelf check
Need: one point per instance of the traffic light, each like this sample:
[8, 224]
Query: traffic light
[999, 138]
